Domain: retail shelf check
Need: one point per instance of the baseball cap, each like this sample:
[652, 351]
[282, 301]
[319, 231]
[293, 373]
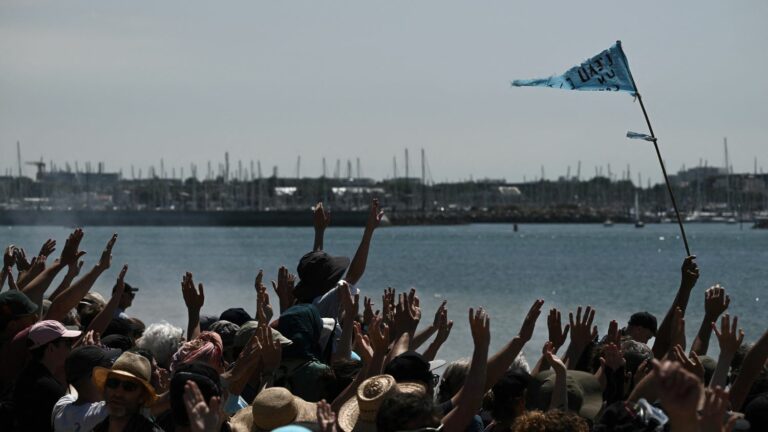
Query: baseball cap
[645, 320]
[81, 361]
[14, 304]
[235, 315]
[247, 330]
[47, 331]
[127, 287]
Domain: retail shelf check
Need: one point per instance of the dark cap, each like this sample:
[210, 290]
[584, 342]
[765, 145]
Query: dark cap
[235, 315]
[318, 274]
[410, 366]
[14, 304]
[117, 341]
[128, 287]
[227, 330]
[207, 380]
[81, 361]
[756, 412]
[206, 321]
[645, 320]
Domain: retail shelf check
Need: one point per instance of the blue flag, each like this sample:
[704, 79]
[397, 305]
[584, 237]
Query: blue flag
[642, 136]
[607, 71]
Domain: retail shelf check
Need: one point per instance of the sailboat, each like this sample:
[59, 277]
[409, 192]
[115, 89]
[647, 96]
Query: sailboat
[638, 223]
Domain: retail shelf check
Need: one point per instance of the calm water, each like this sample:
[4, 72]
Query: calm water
[618, 270]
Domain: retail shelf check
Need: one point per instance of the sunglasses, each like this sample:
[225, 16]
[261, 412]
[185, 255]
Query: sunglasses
[128, 386]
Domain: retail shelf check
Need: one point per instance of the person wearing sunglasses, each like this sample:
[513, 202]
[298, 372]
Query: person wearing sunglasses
[127, 389]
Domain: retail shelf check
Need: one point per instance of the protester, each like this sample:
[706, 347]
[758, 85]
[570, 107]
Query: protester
[376, 368]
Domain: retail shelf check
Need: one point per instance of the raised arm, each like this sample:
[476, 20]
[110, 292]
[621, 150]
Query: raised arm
[422, 336]
[72, 272]
[559, 399]
[502, 360]
[357, 267]
[194, 300]
[321, 219]
[70, 254]
[469, 399]
[582, 333]
[101, 321]
[284, 288]
[729, 339]
[715, 303]
[753, 363]
[350, 304]
[70, 297]
[689, 274]
[444, 327]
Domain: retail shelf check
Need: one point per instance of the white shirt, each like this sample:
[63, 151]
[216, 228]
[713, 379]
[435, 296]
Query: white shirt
[68, 416]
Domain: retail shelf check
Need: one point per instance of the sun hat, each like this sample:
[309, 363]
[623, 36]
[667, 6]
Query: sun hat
[272, 408]
[585, 396]
[247, 330]
[47, 331]
[93, 298]
[318, 273]
[359, 414]
[130, 365]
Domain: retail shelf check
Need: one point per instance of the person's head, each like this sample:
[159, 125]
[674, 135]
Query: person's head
[90, 306]
[506, 399]
[206, 348]
[207, 380]
[234, 315]
[411, 409]
[227, 331]
[125, 385]
[361, 414]
[17, 312]
[550, 421]
[318, 273]
[453, 379]
[272, 408]
[412, 366]
[246, 332]
[49, 343]
[120, 326]
[642, 327]
[79, 365]
[302, 324]
[162, 340]
[129, 294]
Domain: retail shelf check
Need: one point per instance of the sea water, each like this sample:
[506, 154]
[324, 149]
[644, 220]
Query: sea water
[618, 270]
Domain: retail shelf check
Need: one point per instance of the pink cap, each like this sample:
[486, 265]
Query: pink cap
[47, 331]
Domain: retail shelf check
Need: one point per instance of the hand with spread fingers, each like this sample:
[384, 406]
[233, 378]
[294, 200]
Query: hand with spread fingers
[557, 333]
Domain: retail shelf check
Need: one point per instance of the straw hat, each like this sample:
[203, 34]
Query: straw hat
[127, 365]
[359, 414]
[272, 408]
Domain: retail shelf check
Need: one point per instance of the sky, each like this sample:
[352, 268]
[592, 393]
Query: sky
[131, 83]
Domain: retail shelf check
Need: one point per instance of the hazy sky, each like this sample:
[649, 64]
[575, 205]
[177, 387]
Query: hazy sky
[130, 82]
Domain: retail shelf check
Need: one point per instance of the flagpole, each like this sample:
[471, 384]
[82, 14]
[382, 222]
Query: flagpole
[658, 154]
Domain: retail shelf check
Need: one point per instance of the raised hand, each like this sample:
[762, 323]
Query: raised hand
[443, 325]
[362, 343]
[106, 256]
[727, 337]
[284, 288]
[11, 280]
[20, 257]
[321, 218]
[557, 334]
[350, 304]
[71, 251]
[407, 313]
[48, 248]
[582, 330]
[203, 417]
[716, 404]
[612, 357]
[679, 391]
[388, 305]
[689, 272]
[692, 364]
[529, 324]
[716, 301]
[614, 336]
[9, 256]
[326, 418]
[271, 350]
[194, 299]
[548, 352]
[378, 334]
[480, 326]
[375, 216]
[368, 311]
[121, 280]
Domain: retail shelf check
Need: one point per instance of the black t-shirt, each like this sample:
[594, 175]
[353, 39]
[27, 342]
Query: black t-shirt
[137, 423]
[36, 392]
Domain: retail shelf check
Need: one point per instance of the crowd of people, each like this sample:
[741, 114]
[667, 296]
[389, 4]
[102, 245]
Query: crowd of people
[330, 360]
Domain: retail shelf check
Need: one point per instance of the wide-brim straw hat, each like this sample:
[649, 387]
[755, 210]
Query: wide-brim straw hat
[272, 408]
[129, 365]
[359, 414]
[585, 396]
